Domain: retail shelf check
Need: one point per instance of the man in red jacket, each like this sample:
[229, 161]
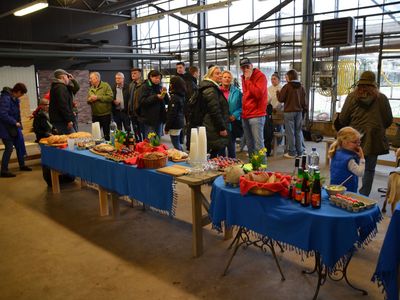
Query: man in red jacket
[254, 105]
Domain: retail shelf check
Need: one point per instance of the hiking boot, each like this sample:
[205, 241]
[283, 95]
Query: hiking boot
[25, 168]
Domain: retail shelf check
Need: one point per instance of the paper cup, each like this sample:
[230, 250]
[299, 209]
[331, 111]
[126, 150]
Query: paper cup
[71, 144]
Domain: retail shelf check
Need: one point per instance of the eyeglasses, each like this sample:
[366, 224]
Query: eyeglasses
[357, 142]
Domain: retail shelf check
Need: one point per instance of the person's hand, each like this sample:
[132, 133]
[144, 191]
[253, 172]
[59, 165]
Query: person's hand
[247, 73]
[117, 102]
[75, 103]
[223, 133]
[92, 98]
[360, 152]
[18, 124]
[166, 131]
[70, 125]
[160, 96]
[232, 118]
[70, 76]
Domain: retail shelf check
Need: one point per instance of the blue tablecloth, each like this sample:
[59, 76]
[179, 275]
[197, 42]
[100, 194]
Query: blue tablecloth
[331, 231]
[386, 272]
[146, 185]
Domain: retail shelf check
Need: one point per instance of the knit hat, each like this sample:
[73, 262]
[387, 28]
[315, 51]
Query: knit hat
[59, 72]
[367, 78]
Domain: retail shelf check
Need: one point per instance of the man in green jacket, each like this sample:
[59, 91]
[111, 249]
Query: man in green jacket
[100, 97]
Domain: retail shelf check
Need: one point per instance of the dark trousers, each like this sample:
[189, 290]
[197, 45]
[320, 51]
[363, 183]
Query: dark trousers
[62, 128]
[137, 128]
[231, 146]
[121, 118]
[104, 123]
[215, 153]
[8, 149]
[368, 178]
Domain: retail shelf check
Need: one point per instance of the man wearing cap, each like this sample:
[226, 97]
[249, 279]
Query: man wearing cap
[254, 105]
[100, 98]
[61, 114]
[368, 111]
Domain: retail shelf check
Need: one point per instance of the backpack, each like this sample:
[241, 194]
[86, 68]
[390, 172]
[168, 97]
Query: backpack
[195, 108]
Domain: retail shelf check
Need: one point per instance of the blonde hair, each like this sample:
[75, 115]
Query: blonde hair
[344, 135]
[210, 72]
[227, 71]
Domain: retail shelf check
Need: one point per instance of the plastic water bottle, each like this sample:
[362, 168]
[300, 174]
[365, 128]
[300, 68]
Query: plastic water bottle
[113, 130]
[313, 161]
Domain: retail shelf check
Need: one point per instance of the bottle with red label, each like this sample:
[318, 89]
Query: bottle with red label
[316, 191]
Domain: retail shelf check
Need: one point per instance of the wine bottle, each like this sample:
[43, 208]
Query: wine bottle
[316, 191]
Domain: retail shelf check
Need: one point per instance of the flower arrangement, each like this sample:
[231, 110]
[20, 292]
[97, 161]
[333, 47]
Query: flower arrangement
[258, 159]
[154, 139]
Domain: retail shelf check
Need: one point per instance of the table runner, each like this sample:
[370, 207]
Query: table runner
[146, 185]
[331, 231]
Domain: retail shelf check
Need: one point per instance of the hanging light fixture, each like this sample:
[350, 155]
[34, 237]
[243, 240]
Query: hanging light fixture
[30, 8]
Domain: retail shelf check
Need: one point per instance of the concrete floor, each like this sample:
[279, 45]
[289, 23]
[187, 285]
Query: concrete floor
[58, 247]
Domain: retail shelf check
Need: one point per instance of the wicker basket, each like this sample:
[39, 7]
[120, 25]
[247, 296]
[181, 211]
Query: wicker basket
[155, 163]
[261, 192]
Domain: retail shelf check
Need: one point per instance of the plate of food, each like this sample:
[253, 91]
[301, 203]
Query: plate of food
[55, 140]
[352, 202]
[177, 155]
[102, 149]
[224, 162]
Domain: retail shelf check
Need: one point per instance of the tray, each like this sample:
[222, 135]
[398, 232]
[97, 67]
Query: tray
[98, 153]
[175, 170]
[368, 203]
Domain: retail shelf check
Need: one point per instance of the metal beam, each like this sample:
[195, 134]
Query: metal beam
[120, 6]
[384, 10]
[194, 25]
[258, 21]
[31, 53]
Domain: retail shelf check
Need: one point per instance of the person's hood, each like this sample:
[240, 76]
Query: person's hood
[57, 81]
[295, 83]
[207, 82]
[366, 101]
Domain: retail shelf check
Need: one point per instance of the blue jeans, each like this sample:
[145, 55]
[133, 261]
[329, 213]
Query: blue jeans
[157, 129]
[368, 178]
[294, 133]
[254, 134]
[175, 140]
[8, 149]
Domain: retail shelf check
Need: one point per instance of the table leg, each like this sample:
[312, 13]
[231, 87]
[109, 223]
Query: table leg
[197, 228]
[228, 232]
[82, 183]
[115, 205]
[103, 202]
[55, 182]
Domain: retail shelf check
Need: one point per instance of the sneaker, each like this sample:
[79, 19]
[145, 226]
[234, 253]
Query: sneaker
[287, 155]
[7, 174]
[25, 168]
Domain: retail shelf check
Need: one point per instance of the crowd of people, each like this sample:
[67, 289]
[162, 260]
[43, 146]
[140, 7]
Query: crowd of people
[217, 102]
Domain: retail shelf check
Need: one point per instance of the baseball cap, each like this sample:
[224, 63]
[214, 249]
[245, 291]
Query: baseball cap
[245, 62]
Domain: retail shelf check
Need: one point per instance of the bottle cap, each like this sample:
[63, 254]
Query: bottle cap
[314, 149]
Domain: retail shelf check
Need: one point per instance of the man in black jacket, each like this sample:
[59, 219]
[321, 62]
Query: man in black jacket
[120, 103]
[62, 91]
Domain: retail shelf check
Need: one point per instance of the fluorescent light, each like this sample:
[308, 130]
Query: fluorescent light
[30, 8]
[194, 9]
[104, 29]
[145, 19]
[391, 50]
